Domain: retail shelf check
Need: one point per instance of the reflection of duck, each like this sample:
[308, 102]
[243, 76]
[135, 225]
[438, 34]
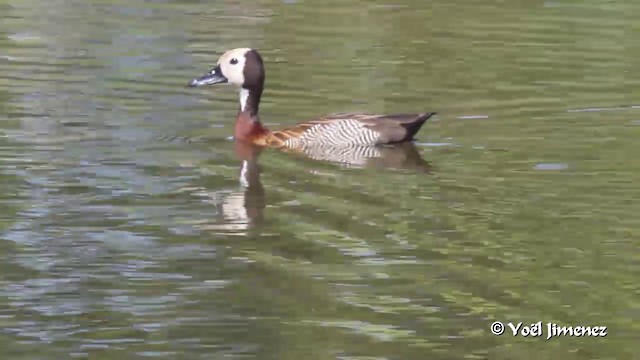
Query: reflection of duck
[397, 156]
[240, 209]
[243, 209]
[244, 67]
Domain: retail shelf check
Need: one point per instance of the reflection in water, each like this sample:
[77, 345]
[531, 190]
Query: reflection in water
[398, 156]
[243, 209]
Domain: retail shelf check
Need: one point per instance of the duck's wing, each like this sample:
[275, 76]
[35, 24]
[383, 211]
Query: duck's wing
[351, 129]
[394, 128]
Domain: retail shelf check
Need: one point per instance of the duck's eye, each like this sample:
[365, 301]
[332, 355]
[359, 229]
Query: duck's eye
[234, 61]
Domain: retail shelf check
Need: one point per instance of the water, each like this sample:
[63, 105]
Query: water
[126, 231]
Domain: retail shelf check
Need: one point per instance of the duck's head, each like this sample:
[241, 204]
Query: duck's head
[242, 67]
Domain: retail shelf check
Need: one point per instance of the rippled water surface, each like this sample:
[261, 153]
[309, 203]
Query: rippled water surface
[127, 230]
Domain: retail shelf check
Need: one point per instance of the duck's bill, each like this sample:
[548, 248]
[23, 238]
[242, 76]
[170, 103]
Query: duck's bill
[214, 77]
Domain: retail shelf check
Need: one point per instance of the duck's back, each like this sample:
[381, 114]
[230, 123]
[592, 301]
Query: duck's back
[349, 129]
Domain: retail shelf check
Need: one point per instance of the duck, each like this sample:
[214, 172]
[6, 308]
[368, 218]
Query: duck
[244, 68]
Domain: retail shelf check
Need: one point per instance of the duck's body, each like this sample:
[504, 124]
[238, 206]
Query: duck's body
[344, 129]
[244, 67]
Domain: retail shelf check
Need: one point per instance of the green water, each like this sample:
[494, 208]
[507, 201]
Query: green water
[125, 234]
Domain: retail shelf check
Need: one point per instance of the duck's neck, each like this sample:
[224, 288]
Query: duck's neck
[248, 125]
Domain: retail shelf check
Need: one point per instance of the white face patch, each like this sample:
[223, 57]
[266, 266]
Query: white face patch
[232, 65]
[244, 95]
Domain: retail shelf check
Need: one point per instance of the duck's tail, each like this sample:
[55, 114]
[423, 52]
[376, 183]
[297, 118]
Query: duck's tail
[415, 126]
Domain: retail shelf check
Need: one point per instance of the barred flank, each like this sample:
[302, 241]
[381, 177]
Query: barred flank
[338, 133]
